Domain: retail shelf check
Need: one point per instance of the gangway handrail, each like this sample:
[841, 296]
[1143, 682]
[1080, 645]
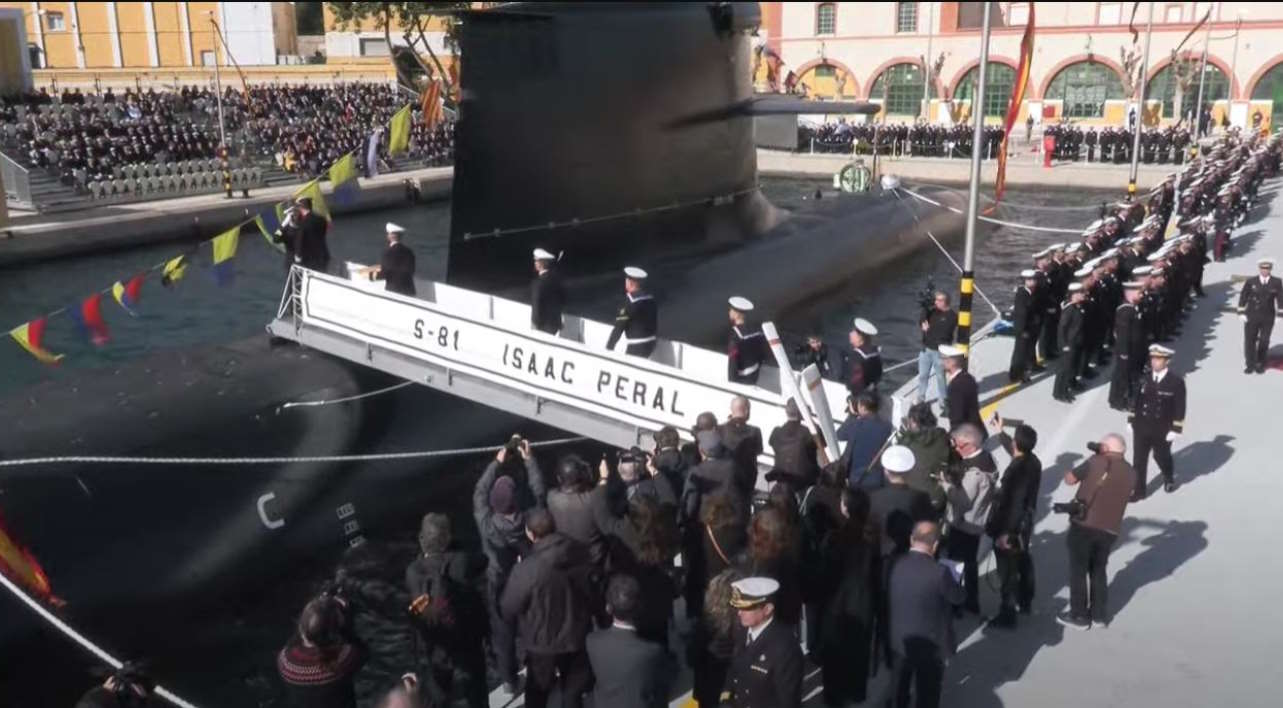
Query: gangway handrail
[17, 181]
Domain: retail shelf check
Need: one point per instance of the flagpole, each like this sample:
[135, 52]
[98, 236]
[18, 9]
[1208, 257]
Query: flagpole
[967, 286]
[218, 84]
[1202, 74]
[1140, 105]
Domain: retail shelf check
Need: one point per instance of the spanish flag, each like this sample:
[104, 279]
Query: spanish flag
[128, 294]
[312, 190]
[174, 270]
[1013, 108]
[88, 317]
[343, 179]
[31, 337]
[431, 105]
[224, 246]
[399, 138]
[17, 563]
[268, 222]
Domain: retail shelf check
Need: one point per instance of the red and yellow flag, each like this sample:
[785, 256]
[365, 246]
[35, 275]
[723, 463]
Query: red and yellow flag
[1013, 108]
[430, 105]
[31, 337]
[17, 563]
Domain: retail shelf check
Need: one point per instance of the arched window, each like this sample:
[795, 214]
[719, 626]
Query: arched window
[1000, 81]
[827, 81]
[1270, 88]
[1084, 87]
[826, 14]
[1177, 86]
[901, 86]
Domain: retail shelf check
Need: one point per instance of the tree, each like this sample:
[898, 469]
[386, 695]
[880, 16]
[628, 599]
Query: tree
[412, 20]
[1185, 73]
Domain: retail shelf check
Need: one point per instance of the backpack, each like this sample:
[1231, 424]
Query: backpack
[436, 606]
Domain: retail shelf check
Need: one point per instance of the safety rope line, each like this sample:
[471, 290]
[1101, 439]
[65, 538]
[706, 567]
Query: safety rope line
[999, 222]
[121, 460]
[1005, 203]
[81, 639]
[346, 399]
[914, 214]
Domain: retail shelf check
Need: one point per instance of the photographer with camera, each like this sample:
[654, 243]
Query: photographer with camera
[1011, 523]
[968, 483]
[939, 324]
[1105, 482]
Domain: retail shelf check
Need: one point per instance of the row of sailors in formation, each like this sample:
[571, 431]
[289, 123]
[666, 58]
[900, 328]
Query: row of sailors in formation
[921, 139]
[1162, 146]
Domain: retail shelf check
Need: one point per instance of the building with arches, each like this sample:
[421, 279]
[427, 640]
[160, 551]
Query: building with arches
[880, 52]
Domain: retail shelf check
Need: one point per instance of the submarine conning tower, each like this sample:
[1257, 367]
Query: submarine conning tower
[573, 113]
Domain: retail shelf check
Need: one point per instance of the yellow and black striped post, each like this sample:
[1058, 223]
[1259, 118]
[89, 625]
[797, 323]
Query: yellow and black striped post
[227, 172]
[965, 291]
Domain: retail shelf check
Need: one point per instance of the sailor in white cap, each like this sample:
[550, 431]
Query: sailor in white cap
[638, 318]
[862, 366]
[547, 293]
[1070, 338]
[746, 346]
[396, 266]
[1157, 419]
[1260, 301]
[1129, 348]
[1026, 320]
[767, 667]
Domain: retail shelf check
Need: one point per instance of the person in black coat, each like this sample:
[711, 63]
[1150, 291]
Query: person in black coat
[303, 234]
[896, 507]
[1011, 522]
[1157, 419]
[795, 449]
[547, 294]
[1258, 304]
[1026, 321]
[922, 596]
[1129, 349]
[1070, 339]
[862, 366]
[638, 318]
[962, 392]
[767, 667]
[744, 441]
[455, 647]
[396, 267]
[746, 348]
[850, 560]
[668, 460]
[628, 671]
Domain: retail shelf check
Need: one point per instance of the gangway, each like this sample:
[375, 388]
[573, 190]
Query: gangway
[482, 347]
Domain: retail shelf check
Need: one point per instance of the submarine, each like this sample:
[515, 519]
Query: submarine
[616, 132]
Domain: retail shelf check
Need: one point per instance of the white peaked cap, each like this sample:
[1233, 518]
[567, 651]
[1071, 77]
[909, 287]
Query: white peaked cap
[864, 326]
[898, 459]
[1027, 274]
[542, 255]
[1075, 287]
[1160, 350]
[1142, 270]
[635, 273]
[395, 228]
[741, 304]
[950, 351]
[1083, 272]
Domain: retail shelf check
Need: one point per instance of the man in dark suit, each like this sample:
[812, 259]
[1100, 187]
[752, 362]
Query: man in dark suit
[396, 267]
[547, 294]
[922, 595]
[1026, 321]
[630, 671]
[766, 670]
[963, 392]
[1129, 349]
[1259, 303]
[1011, 523]
[744, 442]
[303, 234]
[1157, 420]
[795, 449]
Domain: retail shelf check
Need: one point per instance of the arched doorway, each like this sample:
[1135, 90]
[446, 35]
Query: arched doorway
[1270, 88]
[1084, 87]
[1000, 82]
[829, 81]
[901, 87]
[1177, 86]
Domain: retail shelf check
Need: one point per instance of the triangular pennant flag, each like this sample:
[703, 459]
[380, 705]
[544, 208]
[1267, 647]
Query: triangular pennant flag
[128, 294]
[399, 137]
[31, 337]
[224, 246]
[88, 318]
[267, 224]
[343, 179]
[312, 190]
[174, 270]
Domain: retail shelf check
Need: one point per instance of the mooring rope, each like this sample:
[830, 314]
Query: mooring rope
[346, 399]
[999, 222]
[940, 246]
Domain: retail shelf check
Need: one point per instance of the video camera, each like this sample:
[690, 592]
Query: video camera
[1075, 509]
[927, 297]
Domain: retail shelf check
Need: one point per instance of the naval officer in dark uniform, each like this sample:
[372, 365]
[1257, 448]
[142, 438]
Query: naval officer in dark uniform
[862, 366]
[766, 670]
[303, 233]
[1026, 320]
[1259, 303]
[638, 318]
[1070, 339]
[1129, 349]
[1157, 420]
[396, 267]
[547, 294]
[745, 346]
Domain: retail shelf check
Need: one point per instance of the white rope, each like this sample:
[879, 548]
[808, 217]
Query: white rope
[999, 222]
[80, 639]
[1013, 205]
[940, 246]
[901, 365]
[117, 460]
[297, 404]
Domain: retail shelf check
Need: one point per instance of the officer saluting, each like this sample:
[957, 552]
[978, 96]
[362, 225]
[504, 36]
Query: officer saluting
[1157, 420]
[638, 317]
[746, 345]
[547, 294]
[1259, 303]
[766, 670]
[1129, 349]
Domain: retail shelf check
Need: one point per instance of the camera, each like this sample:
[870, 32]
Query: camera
[513, 446]
[1095, 448]
[1075, 509]
[927, 297]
